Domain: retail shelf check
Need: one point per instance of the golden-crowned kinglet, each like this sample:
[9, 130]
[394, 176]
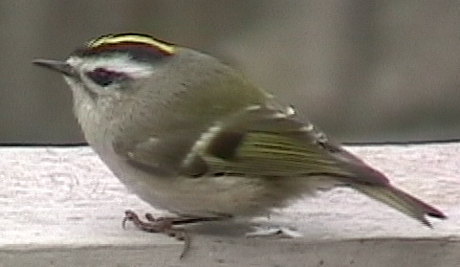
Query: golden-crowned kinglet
[189, 134]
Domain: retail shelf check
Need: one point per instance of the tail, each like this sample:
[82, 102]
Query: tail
[401, 201]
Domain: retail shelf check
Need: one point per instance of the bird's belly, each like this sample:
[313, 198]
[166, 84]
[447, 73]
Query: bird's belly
[216, 196]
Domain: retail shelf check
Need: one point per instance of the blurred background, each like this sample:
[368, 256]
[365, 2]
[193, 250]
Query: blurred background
[362, 70]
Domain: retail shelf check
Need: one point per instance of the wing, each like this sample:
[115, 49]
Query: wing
[266, 142]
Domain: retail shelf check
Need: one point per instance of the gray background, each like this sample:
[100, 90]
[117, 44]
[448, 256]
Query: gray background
[362, 70]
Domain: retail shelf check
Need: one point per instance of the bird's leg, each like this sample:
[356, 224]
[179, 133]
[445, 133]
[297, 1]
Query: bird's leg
[153, 225]
[159, 225]
[166, 225]
[185, 220]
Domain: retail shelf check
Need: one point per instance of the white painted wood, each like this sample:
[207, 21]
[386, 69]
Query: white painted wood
[62, 207]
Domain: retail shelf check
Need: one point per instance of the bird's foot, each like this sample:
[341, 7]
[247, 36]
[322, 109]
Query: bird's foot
[163, 225]
[273, 231]
[166, 225]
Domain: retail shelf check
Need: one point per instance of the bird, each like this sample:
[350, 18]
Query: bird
[192, 135]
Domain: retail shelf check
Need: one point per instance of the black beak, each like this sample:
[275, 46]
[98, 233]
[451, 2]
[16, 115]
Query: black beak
[55, 65]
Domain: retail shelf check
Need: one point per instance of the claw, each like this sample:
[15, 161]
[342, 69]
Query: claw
[129, 216]
[159, 225]
[166, 225]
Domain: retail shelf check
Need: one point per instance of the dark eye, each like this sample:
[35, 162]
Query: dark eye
[105, 77]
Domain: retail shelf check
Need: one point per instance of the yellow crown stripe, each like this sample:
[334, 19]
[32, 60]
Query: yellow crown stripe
[131, 38]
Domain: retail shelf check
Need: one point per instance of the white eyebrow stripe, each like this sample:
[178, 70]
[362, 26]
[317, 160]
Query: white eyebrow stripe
[122, 64]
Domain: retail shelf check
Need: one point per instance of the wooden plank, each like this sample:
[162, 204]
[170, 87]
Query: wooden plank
[62, 207]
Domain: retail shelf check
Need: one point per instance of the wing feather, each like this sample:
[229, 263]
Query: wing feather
[268, 142]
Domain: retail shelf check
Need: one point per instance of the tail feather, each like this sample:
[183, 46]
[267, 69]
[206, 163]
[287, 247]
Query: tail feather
[401, 201]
